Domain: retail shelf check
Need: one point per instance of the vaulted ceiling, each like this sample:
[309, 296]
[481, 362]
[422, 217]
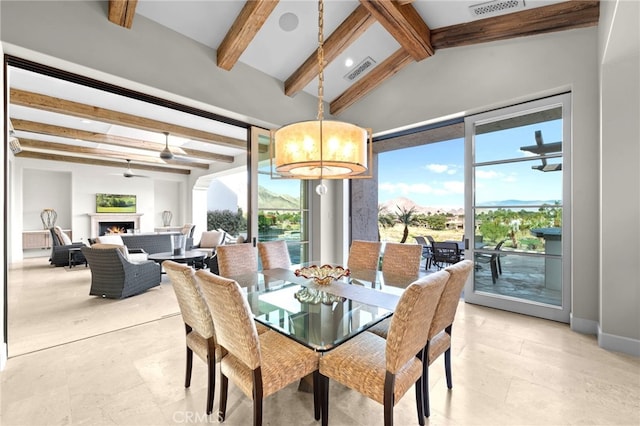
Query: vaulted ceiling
[380, 37]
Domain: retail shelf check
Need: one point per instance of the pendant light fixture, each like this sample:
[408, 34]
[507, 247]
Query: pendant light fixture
[321, 149]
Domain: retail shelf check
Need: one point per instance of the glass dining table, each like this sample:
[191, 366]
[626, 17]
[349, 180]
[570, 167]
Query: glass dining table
[321, 317]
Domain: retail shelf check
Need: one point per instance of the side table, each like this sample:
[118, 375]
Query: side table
[75, 257]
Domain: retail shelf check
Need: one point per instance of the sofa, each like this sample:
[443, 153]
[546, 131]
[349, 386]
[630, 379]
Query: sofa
[150, 243]
[114, 276]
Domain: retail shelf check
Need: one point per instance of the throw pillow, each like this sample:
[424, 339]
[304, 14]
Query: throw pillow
[62, 237]
[104, 246]
[110, 239]
[211, 239]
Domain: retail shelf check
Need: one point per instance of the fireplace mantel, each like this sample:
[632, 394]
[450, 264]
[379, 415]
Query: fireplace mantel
[96, 218]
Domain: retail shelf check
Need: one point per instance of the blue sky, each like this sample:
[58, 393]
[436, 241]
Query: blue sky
[433, 175]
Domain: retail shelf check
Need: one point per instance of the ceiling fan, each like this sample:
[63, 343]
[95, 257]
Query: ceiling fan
[129, 173]
[166, 153]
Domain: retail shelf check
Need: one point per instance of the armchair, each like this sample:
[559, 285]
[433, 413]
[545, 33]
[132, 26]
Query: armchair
[115, 277]
[60, 245]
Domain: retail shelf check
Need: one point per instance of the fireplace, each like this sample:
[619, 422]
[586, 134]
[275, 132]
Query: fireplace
[109, 227]
[122, 222]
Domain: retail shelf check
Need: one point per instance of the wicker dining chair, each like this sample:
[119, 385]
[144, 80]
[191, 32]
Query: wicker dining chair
[200, 335]
[402, 259]
[237, 259]
[364, 255]
[441, 327]
[384, 370]
[274, 254]
[259, 364]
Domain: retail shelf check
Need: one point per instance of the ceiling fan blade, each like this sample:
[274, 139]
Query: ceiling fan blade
[129, 173]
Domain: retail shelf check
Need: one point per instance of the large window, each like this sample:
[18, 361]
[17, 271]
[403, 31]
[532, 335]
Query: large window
[421, 190]
[282, 207]
[518, 166]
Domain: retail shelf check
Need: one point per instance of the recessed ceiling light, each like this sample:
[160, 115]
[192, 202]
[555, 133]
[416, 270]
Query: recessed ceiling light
[348, 62]
[288, 22]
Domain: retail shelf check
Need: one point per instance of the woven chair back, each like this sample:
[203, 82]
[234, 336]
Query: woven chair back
[232, 317]
[402, 259]
[193, 308]
[237, 259]
[274, 254]
[446, 309]
[408, 331]
[364, 255]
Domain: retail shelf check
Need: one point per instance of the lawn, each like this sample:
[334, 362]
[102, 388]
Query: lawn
[394, 234]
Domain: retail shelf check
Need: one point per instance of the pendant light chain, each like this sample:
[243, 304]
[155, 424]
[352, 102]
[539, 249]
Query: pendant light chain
[320, 59]
[321, 79]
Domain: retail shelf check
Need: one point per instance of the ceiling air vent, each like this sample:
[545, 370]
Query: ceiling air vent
[496, 7]
[360, 69]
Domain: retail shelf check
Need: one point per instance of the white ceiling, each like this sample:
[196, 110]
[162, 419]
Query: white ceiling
[278, 53]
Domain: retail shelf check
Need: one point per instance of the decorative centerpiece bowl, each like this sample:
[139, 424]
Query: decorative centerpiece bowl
[322, 275]
[313, 296]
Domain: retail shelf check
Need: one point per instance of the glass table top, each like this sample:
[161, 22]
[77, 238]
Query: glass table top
[321, 317]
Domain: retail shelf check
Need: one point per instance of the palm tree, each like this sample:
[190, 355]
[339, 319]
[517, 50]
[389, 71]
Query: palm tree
[384, 219]
[406, 217]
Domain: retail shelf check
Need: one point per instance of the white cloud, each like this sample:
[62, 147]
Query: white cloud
[406, 188]
[486, 174]
[437, 168]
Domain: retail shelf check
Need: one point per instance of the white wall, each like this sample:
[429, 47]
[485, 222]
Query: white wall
[620, 180]
[45, 189]
[167, 196]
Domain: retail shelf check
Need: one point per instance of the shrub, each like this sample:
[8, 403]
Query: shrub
[232, 223]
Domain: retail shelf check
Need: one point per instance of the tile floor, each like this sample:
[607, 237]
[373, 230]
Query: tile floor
[106, 362]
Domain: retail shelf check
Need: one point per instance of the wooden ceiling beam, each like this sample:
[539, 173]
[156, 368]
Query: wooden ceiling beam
[96, 162]
[66, 132]
[349, 31]
[75, 149]
[371, 80]
[253, 15]
[63, 106]
[556, 17]
[121, 12]
[405, 24]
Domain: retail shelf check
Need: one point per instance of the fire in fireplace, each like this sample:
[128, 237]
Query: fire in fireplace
[106, 228]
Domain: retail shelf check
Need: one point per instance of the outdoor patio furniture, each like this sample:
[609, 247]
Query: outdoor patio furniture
[115, 277]
[60, 248]
[445, 253]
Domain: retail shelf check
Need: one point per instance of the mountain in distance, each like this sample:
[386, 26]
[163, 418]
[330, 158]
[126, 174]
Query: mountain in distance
[271, 201]
[394, 205]
[500, 203]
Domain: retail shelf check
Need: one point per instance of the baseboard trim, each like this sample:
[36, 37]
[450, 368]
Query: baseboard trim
[583, 326]
[611, 342]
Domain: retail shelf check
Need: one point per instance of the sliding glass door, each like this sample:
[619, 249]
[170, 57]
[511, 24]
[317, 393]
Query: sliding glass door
[281, 209]
[517, 213]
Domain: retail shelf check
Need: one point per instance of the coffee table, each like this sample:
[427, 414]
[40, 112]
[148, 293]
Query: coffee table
[193, 258]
